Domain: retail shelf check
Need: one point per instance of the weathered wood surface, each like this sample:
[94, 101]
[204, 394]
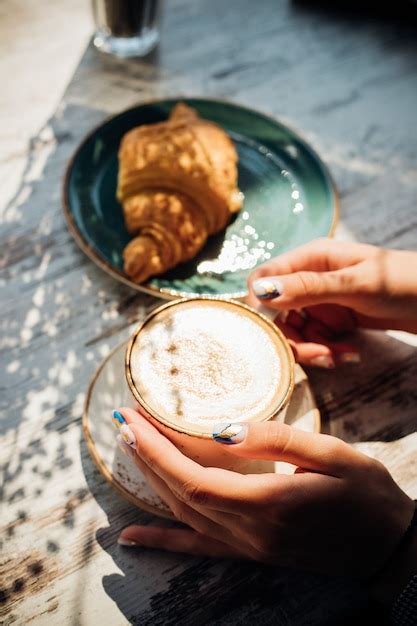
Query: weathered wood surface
[349, 83]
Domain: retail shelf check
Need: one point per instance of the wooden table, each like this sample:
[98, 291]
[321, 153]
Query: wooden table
[349, 83]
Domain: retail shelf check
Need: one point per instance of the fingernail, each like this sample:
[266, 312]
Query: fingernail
[267, 288]
[228, 432]
[124, 447]
[323, 361]
[350, 357]
[127, 542]
[118, 419]
[125, 432]
[128, 436]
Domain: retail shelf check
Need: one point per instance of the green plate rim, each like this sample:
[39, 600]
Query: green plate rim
[164, 293]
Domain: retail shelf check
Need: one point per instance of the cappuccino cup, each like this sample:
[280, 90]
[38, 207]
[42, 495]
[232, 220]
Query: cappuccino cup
[195, 363]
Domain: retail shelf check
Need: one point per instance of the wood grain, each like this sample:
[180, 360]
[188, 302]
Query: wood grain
[348, 83]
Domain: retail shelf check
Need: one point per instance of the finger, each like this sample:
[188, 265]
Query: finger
[319, 255]
[193, 484]
[280, 442]
[206, 522]
[186, 514]
[319, 325]
[292, 333]
[251, 300]
[177, 540]
[315, 355]
[228, 528]
[342, 351]
[338, 319]
[306, 288]
[315, 330]
[296, 319]
[156, 484]
[307, 353]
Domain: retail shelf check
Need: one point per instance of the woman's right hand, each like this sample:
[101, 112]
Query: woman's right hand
[328, 288]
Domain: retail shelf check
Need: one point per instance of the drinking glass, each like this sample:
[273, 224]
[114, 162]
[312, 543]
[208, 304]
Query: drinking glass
[126, 28]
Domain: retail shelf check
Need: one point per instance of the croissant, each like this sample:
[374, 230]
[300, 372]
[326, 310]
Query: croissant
[177, 184]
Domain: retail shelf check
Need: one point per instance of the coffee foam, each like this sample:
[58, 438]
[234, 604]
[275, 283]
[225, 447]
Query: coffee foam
[206, 362]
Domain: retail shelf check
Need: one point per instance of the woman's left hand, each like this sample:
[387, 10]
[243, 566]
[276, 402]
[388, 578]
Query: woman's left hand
[340, 512]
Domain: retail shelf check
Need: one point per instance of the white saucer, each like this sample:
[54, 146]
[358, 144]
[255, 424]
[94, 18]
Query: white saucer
[108, 390]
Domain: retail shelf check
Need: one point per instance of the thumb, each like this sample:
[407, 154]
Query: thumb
[301, 289]
[273, 441]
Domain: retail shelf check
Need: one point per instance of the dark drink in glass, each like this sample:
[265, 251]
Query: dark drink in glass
[126, 27]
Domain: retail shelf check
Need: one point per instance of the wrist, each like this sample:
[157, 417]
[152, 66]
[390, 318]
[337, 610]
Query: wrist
[392, 578]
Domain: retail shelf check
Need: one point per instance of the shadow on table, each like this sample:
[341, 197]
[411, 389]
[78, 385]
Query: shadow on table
[154, 587]
[374, 400]
[165, 588]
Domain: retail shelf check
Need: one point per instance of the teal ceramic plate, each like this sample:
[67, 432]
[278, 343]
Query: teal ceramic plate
[289, 200]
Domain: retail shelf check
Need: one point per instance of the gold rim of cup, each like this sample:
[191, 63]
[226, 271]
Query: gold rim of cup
[283, 396]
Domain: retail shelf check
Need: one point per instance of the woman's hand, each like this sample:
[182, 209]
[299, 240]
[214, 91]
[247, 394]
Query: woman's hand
[328, 288]
[340, 512]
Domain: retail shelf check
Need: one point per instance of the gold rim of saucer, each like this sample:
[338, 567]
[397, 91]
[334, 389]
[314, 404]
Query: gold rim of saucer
[100, 462]
[189, 431]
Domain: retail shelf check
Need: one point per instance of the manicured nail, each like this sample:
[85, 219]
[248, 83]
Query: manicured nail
[229, 433]
[125, 431]
[118, 419]
[323, 361]
[124, 447]
[268, 288]
[350, 357]
[128, 436]
[127, 542]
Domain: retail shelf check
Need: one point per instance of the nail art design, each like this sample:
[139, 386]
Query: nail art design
[118, 419]
[124, 447]
[268, 288]
[128, 436]
[350, 357]
[127, 542]
[323, 361]
[125, 432]
[229, 433]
